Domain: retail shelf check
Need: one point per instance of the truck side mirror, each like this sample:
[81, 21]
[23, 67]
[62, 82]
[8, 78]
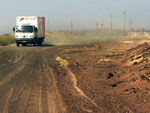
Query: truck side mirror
[13, 29]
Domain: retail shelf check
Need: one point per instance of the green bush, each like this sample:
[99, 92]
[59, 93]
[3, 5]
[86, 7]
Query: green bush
[6, 40]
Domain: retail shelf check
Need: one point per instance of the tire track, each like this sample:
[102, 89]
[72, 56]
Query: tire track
[5, 108]
[55, 101]
[35, 86]
[18, 65]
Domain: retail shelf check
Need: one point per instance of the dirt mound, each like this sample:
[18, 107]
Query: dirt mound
[137, 60]
[137, 55]
[120, 84]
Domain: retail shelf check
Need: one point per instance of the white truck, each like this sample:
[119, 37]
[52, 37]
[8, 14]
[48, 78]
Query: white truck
[29, 30]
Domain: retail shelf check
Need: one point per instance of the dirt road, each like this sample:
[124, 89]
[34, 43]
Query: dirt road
[92, 78]
[27, 82]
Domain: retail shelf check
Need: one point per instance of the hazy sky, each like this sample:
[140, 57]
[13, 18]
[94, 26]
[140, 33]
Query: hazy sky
[83, 13]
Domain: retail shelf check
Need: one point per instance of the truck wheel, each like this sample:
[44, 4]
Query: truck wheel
[17, 44]
[34, 44]
[40, 43]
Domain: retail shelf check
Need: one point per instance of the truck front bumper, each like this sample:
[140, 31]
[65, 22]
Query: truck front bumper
[26, 40]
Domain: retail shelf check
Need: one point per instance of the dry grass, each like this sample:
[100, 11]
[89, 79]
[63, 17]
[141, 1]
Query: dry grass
[6, 40]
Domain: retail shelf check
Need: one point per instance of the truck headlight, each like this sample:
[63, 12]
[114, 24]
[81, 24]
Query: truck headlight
[17, 36]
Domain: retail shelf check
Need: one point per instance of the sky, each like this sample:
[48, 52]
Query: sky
[83, 13]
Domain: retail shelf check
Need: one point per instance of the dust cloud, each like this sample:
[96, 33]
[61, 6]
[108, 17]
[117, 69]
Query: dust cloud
[82, 37]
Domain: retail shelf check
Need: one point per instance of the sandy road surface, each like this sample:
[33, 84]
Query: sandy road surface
[27, 83]
[94, 78]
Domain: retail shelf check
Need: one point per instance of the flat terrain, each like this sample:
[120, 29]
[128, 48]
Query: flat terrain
[107, 77]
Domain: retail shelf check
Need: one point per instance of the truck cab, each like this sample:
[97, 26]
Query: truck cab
[25, 34]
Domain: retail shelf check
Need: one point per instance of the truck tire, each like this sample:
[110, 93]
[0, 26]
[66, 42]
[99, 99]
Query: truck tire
[17, 44]
[39, 42]
[34, 44]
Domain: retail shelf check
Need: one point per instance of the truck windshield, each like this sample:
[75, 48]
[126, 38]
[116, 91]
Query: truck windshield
[28, 29]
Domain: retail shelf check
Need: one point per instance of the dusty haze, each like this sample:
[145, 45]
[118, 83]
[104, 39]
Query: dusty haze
[82, 37]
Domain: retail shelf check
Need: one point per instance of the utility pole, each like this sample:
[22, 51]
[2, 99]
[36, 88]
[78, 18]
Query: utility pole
[71, 26]
[124, 23]
[96, 25]
[130, 25]
[102, 24]
[48, 25]
[8, 28]
[111, 22]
